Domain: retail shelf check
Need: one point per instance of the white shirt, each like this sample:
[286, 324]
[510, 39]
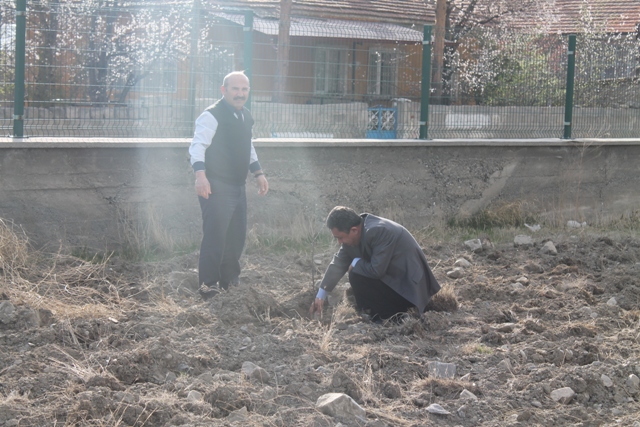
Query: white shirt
[206, 125]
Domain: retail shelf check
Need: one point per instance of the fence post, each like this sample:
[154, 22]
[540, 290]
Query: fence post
[248, 49]
[568, 103]
[426, 83]
[18, 100]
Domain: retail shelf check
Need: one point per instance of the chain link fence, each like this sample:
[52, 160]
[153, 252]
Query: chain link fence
[147, 69]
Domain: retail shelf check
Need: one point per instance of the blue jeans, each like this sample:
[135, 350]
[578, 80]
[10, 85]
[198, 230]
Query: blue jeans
[224, 227]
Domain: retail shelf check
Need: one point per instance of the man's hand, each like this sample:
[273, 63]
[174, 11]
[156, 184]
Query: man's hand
[203, 188]
[263, 185]
[316, 307]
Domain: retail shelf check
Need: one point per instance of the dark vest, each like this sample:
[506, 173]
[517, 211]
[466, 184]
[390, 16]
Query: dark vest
[227, 158]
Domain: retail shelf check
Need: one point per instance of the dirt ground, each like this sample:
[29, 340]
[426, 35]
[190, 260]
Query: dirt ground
[116, 343]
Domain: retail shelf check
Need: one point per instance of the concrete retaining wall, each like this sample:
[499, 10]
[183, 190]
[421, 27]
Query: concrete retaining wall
[93, 193]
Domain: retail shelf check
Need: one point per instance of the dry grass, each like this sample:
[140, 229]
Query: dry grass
[143, 235]
[501, 214]
[14, 251]
[69, 287]
[444, 300]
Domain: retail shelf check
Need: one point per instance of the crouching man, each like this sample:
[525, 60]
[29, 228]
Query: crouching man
[388, 271]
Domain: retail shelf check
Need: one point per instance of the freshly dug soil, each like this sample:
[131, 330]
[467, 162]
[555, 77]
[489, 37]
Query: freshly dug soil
[122, 344]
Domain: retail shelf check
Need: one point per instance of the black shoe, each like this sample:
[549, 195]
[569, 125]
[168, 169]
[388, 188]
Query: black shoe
[207, 292]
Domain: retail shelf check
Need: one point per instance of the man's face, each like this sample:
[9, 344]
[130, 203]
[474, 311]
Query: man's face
[352, 238]
[236, 91]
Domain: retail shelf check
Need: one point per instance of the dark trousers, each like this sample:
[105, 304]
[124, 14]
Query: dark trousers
[224, 227]
[376, 298]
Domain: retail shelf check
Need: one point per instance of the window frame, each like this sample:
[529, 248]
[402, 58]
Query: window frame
[341, 64]
[375, 87]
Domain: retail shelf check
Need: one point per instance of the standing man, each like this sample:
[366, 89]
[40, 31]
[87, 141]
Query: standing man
[388, 271]
[222, 154]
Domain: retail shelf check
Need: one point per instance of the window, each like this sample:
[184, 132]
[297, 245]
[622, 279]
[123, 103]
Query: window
[161, 76]
[383, 70]
[330, 71]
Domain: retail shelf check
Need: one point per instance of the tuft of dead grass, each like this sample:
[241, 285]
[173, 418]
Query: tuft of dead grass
[502, 214]
[444, 300]
[69, 287]
[14, 250]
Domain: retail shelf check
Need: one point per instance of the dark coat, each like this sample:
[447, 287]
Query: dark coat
[387, 252]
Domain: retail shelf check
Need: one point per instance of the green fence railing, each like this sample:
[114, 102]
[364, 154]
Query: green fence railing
[147, 69]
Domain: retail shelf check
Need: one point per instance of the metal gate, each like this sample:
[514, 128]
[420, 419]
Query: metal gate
[382, 123]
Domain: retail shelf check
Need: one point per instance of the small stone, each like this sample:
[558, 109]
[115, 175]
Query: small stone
[253, 371]
[606, 381]
[549, 249]
[517, 286]
[205, 378]
[505, 365]
[7, 312]
[522, 240]
[463, 263]
[269, 393]
[170, 377]
[563, 395]
[474, 245]
[434, 408]
[524, 416]
[575, 224]
[305, 390]
[239, 416]
[616, 412]
[612, 302]
[467, 395]
[462, 411]
[620, 397]
[194, 396]
[523, 279]
[456, 273]
[536, 403]
[339, 405]
[633, 382]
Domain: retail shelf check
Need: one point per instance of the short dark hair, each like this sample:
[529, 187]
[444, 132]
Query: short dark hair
[343, 218]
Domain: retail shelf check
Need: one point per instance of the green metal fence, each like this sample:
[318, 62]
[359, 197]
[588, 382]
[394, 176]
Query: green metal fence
[147, 69]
